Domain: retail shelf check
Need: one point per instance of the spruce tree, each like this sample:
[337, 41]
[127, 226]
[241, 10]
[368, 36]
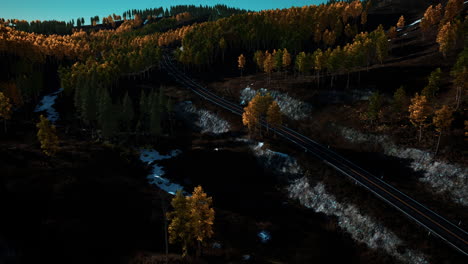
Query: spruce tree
[127, 113]
[5, 109]
[107, 118]
[47, 136]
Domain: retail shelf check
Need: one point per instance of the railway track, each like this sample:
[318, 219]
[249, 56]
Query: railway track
[435, 223]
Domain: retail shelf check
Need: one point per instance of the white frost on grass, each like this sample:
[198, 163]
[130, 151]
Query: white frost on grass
[47, 104]
[207, 121]
[280, 163]
[291, 107]
[362, 228]
[150, 157]
[442, 176]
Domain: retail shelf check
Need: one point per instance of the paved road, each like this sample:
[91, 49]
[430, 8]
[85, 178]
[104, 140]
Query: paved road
[436, 224]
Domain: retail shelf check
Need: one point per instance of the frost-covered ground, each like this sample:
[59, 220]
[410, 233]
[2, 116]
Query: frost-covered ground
[291, 107]
[442, 176]
[362, 228]
[207, 121]
[47, 104]
[280, 163]
[150, 157]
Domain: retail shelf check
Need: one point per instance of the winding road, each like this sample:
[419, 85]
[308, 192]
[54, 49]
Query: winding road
[436, 224]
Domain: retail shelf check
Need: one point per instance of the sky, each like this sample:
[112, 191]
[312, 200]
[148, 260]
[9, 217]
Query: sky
[67, 10]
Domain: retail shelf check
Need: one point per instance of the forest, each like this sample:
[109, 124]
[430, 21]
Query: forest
[306, 92]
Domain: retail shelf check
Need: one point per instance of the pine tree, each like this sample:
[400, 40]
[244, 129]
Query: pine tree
[201, 216]
[180, 228]
[460, 75]
[286, 59]
[5, 109]
[155, 115]
[222, 47]
[401, 22]
[442, 121]
[107, 118]
[301, 62]
[274, 117]
[419, 112]
[399, 100]
[47, 136]
[127, 112]
[278, 58]
[375, 105]
[259, 58]
[433, 84]
[241, 63]
[268, 65]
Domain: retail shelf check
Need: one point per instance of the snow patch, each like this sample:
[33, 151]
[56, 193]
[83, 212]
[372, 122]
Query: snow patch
[207, 121]
[289, 106]
[362, 228]
[414, 23]
[441, 176]
[150, 156]
[281, 163]
[264, 236]
[47, 105]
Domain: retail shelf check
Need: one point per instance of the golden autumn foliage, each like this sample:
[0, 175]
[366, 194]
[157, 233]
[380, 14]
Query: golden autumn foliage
[286, 59]
[241, 62]
[447, 37]
[392, 33]
[180, 229]
[269, 63]
[443, 119]
[274, 117]
[431, 17]
[466, 130]
[202, 214]
[452, 9]
[174, 35]
[191, 220]
[401, 22]
[11, 91]
[182, 17]
[5, 107]
[419, 111]
[36, 47]
[47, 136]
[255, 110]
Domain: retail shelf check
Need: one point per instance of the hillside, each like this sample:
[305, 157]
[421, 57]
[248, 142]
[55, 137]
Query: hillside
[284, 117]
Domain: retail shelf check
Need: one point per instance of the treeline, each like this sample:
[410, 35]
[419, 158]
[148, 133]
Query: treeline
[295, 29]
[47, 27]
[212, 12]
[24, 58]
[364, 50]
[116, 117]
